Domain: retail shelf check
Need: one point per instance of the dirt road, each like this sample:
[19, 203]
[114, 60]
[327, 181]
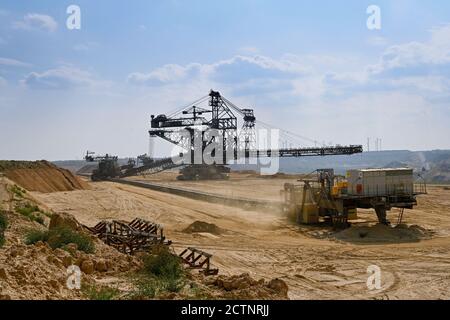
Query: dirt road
[311, 260]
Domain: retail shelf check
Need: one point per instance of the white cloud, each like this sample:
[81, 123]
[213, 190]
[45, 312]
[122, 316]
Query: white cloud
[427, 84]
[435, 51]
[170, 73]
[63, 77]
[2, 81]
[33, 21]
[416, 66]
[258, 66]
[408, 72]
[13, 62]
[422, 67]
[238, 69]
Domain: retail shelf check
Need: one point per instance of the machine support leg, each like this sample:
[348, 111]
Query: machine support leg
[381, 214]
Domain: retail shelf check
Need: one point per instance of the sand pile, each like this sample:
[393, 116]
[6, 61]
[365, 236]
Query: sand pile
[245, 287]
[383, 233]
[41, 176]
[201, 226]
[235, 287]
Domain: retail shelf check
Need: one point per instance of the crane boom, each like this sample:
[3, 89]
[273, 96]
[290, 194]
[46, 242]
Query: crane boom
[307, 152]
[220, 116]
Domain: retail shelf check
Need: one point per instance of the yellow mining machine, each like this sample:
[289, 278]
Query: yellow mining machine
[336, 198]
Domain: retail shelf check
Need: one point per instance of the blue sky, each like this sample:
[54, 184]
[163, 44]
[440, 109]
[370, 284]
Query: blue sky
[311, 67]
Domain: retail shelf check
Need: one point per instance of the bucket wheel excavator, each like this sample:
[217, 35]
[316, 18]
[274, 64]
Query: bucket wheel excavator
[209, 139]
[108, 166]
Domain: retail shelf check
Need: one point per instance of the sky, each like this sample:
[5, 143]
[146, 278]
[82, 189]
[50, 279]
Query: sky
[310, 67]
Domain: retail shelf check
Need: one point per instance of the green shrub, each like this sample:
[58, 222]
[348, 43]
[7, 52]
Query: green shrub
[45, 213]
[198, 293]
[2, 238]
[60, 237]
[173, 284]
[164, 265]
[162, 272]
[3, 226]
[3, 221]
[34, 236]
[18, 191]
[28, 210]
[146, 288]
[39, 219]
[100, 293]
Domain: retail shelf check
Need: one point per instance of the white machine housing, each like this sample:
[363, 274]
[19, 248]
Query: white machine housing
[380, 182]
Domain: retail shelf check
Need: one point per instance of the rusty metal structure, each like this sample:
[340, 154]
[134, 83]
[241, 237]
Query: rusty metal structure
[138, 235]
[141, 235]
[197, 259]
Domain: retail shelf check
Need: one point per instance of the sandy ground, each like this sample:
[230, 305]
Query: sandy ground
[239, 185]
[314, 264]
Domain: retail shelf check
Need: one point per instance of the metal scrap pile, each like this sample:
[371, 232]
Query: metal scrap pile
[141, 235]
[197, 259]
[138, 235]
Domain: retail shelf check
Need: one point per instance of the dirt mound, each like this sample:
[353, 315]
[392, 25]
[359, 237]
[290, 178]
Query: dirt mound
[245, 287]
[382, 233]
[41, 176]
[40, 272]
[201, 226]
[64, 220]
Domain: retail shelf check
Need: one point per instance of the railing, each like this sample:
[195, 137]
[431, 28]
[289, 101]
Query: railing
[420, 188]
